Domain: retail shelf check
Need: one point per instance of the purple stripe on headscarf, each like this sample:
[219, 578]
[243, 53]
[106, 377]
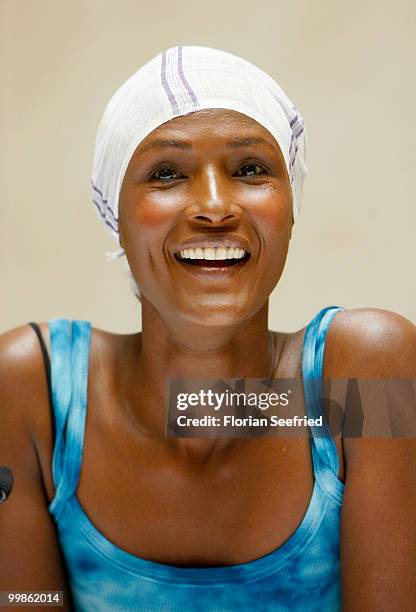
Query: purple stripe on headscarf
[166, 87]
[184, 80]
[106, 221]
[293, 149]
[292, 162]
[103, 205]
[298, 131]
[99, 193]
[110, 210]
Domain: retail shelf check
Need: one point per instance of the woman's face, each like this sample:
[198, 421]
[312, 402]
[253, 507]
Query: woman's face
[206, 217]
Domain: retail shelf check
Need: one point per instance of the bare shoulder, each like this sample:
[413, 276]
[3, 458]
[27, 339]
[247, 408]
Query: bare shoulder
[370, 342]
[23, 385]
[19, 347]
[23, 382]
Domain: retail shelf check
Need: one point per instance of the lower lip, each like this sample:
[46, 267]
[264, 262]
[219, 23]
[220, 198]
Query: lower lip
[214, 270]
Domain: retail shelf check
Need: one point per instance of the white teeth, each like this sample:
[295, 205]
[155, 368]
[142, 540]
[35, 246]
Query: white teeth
[211, 253]
[221, 253]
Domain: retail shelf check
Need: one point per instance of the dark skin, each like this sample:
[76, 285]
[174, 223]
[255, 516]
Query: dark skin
[205, 501]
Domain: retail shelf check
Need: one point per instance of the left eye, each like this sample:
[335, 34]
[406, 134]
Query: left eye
[250, 170]
[166, 174]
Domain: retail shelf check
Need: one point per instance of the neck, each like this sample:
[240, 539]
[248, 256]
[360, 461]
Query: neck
[185, 350]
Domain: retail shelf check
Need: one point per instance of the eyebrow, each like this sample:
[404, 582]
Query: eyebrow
[246, 142]
[159, 144]
[231, 144]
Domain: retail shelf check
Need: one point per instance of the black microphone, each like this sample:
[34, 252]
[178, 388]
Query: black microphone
[6, 483]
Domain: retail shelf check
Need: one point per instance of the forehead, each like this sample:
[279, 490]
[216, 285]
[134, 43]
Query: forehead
[215, 124]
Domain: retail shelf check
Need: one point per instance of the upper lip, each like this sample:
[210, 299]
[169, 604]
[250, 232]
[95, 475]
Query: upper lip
[224, 240]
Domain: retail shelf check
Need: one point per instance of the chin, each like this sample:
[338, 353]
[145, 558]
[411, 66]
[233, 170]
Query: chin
[217, 311]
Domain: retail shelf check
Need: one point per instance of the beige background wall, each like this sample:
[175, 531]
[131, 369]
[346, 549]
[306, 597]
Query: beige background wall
[349, 67]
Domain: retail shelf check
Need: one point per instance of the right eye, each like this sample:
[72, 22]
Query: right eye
[166, 175]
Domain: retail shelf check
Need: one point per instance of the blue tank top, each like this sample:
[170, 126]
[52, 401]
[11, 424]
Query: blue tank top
[302, 575]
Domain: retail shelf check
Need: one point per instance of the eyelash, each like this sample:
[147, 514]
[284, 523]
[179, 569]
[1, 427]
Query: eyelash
[155, 178]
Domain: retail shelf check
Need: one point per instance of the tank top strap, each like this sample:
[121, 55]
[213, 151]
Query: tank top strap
[324, 450]
[70, 346]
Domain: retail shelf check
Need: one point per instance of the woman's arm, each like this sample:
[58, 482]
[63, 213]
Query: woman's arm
[378, 524]
[378, 545]
[30, 558]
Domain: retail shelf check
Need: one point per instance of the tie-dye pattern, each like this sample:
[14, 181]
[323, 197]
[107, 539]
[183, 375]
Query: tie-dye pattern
[301, 575]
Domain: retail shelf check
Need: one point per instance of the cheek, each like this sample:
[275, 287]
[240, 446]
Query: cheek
[270, 208]
[270, 197]
[147, 218]
[146, 221]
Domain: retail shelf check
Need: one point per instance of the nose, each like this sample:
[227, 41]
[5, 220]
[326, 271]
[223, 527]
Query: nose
[213, 204]
[213, 217]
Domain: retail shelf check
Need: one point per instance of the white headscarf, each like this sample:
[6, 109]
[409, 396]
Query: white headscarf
[182, 80]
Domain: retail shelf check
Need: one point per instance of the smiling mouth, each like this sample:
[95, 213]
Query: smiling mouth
[213, 257]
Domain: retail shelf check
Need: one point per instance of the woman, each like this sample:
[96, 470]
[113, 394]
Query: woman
[198, 171]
